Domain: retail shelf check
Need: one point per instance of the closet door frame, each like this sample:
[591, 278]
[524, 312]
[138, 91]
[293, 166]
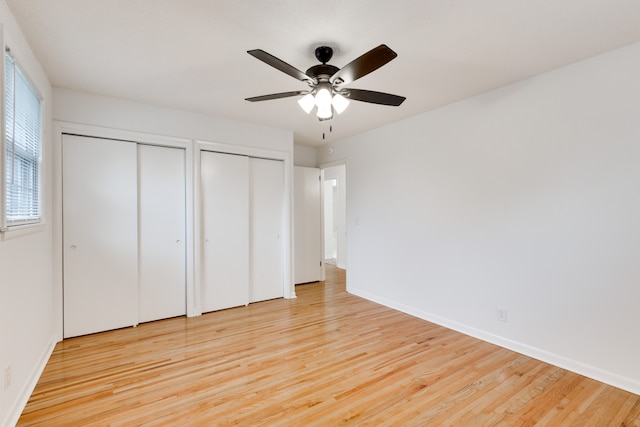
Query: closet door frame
[199, 146]
[60, 128]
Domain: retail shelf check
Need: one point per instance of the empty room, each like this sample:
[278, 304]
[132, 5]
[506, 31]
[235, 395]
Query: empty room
[296, 213]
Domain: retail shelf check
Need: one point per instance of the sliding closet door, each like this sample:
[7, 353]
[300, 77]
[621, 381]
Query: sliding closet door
[161, 202]
[99, 235]
[267, 204]
[225, 219]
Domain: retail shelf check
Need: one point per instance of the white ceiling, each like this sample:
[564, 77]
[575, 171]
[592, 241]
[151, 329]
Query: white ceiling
[191, 54]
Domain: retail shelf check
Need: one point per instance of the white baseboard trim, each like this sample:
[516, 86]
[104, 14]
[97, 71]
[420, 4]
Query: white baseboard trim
[593, 372]
[25, 393]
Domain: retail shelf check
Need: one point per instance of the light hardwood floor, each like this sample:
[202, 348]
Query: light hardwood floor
[326, 358]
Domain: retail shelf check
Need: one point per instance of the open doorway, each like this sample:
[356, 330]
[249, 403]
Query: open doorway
[330, 229]
[334, 215]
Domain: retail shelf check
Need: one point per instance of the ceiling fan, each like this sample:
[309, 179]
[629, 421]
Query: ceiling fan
[326, 91]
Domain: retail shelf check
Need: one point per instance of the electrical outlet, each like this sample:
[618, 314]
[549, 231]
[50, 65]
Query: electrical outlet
[7, 377]
[501, 314]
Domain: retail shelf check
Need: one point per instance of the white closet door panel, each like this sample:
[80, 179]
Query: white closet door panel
[225, 219]
[99, 235]
[267, 204]
[307, 225]
[161, 204]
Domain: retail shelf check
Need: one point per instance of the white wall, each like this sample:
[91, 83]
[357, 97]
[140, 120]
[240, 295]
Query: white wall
[526, 197]
[89, 109]
[304, 156]
[26, 330]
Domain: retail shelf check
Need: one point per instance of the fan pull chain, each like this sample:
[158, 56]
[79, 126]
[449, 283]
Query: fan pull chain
[324, 134]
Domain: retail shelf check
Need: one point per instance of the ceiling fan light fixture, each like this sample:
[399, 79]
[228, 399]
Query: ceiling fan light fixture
[340, 103]
[307, 102]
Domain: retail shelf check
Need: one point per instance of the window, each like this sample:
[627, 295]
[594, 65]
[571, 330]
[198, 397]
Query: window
[22, 146]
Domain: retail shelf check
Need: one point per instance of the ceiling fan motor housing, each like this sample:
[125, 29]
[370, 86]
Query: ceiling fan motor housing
[322, 72]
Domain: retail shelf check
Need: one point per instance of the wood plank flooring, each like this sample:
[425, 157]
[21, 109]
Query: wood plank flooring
[326, 358]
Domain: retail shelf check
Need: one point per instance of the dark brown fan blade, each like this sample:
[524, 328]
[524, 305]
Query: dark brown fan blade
[374, 97]
[363, 65]
[279, 64]
[277, 96]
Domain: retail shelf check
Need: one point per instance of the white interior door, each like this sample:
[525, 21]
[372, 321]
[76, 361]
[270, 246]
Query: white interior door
[267, 250]
[225, 228]
[162, 258]
[307, 225]
[100, 235]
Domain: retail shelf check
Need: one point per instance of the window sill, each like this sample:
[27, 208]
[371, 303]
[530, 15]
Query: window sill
[22, 230]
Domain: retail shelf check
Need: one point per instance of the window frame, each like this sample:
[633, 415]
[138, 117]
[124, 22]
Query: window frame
[7, 225]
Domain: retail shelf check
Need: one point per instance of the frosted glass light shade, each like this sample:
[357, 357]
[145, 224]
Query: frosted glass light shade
[307, 103]
[325, 112]
[340, 103]
[323, 99]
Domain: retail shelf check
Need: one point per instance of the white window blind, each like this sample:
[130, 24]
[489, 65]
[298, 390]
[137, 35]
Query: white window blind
[22, 147]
